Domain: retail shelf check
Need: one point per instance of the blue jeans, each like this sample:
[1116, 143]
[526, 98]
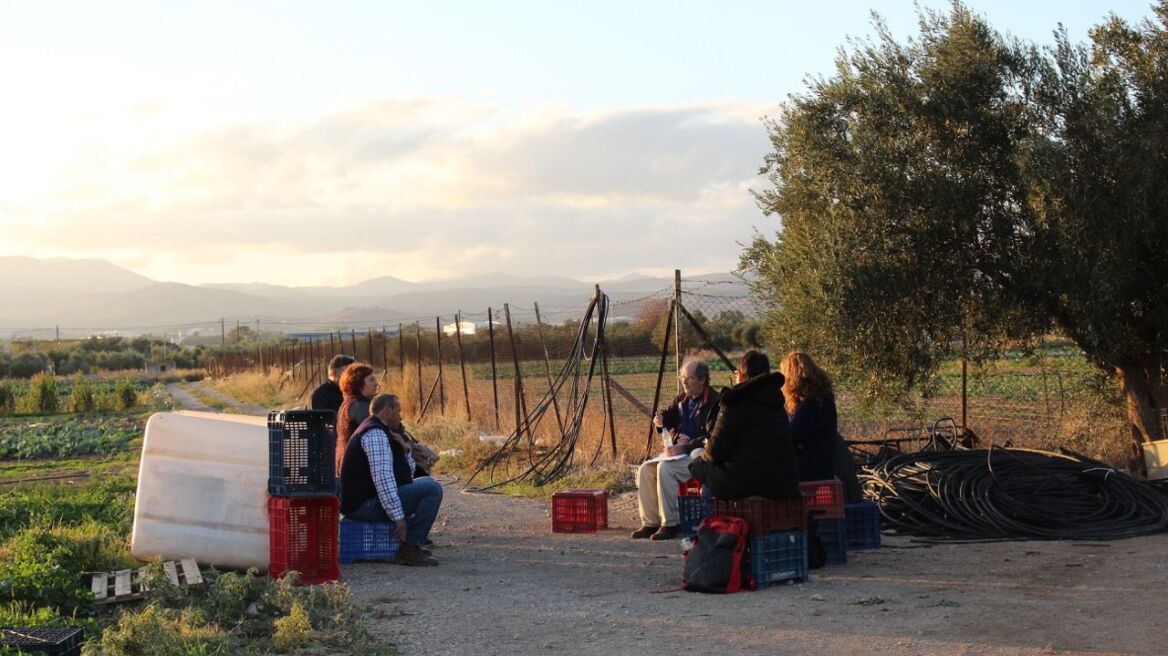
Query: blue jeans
[420, 501]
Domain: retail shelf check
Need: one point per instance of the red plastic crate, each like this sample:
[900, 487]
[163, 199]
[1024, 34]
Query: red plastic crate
[690, 488]
[824, 498]
[765, 515]
[303, 537]
[579, 511]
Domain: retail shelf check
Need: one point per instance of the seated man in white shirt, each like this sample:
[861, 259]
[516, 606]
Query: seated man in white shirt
[377, 482]
[690, 418]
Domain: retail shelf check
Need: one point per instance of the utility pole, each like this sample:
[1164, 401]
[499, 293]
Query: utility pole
[222, 332]
[677, 326]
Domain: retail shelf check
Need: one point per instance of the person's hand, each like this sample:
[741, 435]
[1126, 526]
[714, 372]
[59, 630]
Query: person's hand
[680, 446]
[399, 530]
[659, 419]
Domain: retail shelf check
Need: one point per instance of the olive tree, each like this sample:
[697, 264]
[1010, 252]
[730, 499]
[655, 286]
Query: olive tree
[951, 194]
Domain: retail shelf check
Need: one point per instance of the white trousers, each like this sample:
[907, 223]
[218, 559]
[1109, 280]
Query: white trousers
[657, 491]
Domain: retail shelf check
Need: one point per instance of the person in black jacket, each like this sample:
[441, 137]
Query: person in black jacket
[814, 424]
[750, 453]
[329, 396]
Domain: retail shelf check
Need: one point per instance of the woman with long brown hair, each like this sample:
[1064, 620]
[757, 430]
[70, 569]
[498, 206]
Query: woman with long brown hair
[358, 385]
[810, 403]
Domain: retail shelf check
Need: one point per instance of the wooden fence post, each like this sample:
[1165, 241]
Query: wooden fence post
[462, 361]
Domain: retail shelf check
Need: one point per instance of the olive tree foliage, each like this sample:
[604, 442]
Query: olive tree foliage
[898, 193]
[957, 192]
[1098, 178]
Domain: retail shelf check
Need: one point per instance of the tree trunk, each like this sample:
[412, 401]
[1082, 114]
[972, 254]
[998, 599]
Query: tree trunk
[1143, 387]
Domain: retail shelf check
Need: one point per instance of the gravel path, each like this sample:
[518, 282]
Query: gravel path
[507, 585]
[188, 401]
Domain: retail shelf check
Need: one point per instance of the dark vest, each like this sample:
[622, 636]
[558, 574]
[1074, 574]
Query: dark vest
[356, 477]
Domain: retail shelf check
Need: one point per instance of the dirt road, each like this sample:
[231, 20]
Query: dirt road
[507, 585]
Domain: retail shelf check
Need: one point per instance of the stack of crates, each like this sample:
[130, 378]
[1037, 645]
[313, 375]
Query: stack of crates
[825, 510]
[862, 520]
[778, 537]
[303, 508]
[579, 511]
[692, 508]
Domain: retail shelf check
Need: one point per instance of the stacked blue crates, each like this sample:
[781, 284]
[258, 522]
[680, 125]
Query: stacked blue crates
[863, 525]
[302, 484]
[778, 540]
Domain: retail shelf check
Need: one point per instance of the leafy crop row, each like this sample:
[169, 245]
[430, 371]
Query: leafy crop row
[66, 437]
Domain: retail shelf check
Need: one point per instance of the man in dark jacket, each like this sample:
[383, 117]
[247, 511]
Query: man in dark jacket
[689, 420]
[328, 396]
[750, 452]
[377, 482]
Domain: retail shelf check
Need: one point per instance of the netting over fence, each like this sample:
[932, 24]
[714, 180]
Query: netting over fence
[463, 364]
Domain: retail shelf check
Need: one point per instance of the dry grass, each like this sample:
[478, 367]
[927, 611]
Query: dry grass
[271, 389]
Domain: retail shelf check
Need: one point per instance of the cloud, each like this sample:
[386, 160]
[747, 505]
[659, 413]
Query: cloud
[438, 186]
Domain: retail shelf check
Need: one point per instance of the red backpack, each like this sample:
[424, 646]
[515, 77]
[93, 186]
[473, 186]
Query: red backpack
[715, 562]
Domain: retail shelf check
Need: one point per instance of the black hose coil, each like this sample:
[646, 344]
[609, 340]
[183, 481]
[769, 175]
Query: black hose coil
[1002, 493]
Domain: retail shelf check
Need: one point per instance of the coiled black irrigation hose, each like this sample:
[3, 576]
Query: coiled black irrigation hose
[555, 462]
[1003, 494]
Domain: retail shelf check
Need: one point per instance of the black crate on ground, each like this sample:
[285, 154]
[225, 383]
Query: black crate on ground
[778, 557]
[862, 521]
[62, 641]
[833, 534]
[691, 511]
[301, 448]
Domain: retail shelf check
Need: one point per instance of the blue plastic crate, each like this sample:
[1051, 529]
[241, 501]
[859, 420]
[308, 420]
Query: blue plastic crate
[778, 557]
[691, 511]
[833, 534]
[301, 445]
[367, 541]
[863, 525]
[57, 641]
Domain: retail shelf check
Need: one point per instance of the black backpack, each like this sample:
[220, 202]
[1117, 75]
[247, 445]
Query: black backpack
[715, 562]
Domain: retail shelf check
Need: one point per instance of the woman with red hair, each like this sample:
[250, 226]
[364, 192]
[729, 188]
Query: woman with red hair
[811, 406]
[359, 386]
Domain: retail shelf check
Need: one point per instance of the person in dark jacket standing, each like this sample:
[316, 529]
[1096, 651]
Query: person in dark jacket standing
[329, 396]
[689, 420]
[749, 453]
[377, 483]
[814, 424]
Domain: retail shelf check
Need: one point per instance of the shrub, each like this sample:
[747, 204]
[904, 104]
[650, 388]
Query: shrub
[7, 398]
[78, 362]
[41, 396]
[126, 395]
[28, 364]
[81, 397]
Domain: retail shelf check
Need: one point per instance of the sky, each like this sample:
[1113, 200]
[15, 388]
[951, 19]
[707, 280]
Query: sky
[326, 143]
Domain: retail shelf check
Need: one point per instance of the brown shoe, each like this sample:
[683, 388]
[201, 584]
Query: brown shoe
[413, 556]
[643, 532]
[667, 533]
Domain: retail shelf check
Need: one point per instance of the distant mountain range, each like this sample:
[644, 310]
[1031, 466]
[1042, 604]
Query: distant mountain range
[82, 297]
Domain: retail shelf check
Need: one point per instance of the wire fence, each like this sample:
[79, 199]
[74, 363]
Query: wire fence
[492, 366]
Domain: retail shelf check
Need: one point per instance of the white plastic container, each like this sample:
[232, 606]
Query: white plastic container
[202, 490]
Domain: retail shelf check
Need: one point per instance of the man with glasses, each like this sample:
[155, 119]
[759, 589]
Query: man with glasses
[689, 420]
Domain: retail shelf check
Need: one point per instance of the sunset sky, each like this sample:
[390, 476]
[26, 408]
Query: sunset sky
[302, 143]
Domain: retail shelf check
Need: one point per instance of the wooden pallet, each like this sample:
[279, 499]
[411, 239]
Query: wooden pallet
[129, 584]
